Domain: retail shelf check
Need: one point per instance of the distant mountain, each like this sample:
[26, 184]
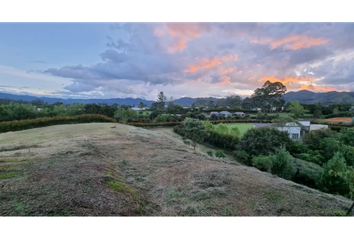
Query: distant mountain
[120, 101]
[188, 101]
[326, 98]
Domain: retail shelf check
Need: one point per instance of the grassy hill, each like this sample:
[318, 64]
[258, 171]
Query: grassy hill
[103, 169]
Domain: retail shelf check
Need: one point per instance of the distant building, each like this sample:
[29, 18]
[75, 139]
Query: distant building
[137, 109]
[215, 113]
[225, 113]
[293, 129]
[242, 114]
[306, 123]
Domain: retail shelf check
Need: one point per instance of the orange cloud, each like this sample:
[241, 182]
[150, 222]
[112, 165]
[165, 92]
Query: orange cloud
[204, 64]
[226, 71]
[209, 63]
[318, 88]
[293, 42]
[288, 80]
[177, 46]
[300, 83]
[191, 30]
[224, 80]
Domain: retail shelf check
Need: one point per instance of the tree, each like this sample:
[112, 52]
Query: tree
[195, 131]
[222, 128]
[233, 101]
[317, 113]
[347, 137]
[295, 108]
[211, 104]
[141, 105]
[125, 115]
[161, 99]
[235, 131]
[333, 179]
[170, 106]
[264, 141]
[268, 94]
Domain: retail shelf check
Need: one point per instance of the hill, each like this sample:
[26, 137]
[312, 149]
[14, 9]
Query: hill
[103, 169]
[326, 98]
[120, 101]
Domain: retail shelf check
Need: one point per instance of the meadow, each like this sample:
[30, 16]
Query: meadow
[242, 127]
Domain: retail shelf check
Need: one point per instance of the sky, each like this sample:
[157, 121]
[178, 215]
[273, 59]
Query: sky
[138, 60]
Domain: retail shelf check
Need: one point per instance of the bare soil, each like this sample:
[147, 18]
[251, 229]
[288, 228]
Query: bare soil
[109, 169]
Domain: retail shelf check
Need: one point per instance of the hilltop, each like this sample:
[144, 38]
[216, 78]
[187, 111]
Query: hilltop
[103, 169]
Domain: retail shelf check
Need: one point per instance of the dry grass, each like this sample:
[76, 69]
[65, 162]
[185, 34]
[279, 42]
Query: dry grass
[96, 170]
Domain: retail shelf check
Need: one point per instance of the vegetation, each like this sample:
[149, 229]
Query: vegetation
[42, 122]
[295, 108]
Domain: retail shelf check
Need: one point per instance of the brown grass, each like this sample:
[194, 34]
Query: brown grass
[338, 119]
[96, 170]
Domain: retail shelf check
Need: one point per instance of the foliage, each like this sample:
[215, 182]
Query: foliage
[235, 131]
[282, 164]
[243, 157]
[268, 95]
[222, 128]
[347, 137]
[195, 130]
[208, 125]
[210, 153]
[42, 122]
[296, 108]
[264, 141]
[220, 154]
[263, 163]
[333, 179]
[279, 164]
[161, 99]
[126, 115]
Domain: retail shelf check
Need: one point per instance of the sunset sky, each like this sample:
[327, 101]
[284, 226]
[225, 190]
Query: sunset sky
[118, 60]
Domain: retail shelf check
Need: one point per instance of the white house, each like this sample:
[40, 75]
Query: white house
[293, 129]
[306, 124]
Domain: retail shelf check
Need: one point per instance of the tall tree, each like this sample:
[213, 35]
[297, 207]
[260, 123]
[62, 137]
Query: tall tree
[268, 94]
[141, 105]
[296, 108]
[161, 99]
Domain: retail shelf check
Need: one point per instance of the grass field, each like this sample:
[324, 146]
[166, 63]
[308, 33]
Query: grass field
[283, 114]
[243, 127]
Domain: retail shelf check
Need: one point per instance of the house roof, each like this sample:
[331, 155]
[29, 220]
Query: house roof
[225, 112]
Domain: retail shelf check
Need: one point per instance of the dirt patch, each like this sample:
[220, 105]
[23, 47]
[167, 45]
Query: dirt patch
[97, 170]
[338, 120]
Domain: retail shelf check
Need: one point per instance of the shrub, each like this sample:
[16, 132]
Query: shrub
[264, 141]
[333, 179]
[220, 154]
[235, 132]
[210, 153]
[347, 137]
[208, 125]
[243, 157]
[195, 131]
[222, 128]
[263, 163]
[282, 164]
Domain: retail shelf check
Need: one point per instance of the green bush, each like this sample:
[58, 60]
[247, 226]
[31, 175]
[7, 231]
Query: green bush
[264, 141]
[282, 164]
[243, 156]
[263, 163]
[221, 128]
[235, 131]
[333, 179]
[220, 154]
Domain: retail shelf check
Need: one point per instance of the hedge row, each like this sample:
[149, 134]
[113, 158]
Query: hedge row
[42, 122]
[160, 124]
[223, 141]
[340, 114]
[240, 121]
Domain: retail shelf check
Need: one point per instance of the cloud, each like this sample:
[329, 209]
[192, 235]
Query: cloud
[217, 55]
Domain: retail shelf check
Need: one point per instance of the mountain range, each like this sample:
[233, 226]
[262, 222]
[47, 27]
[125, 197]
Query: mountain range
[303, 96]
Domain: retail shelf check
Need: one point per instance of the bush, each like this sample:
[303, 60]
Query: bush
[222, 128]
[235, 132]
[282, 164]
[243, 156]
[264, 141]
[333, 179]
[220, 154]
[263, 163]
[210, 153]
[279, 164]
[347, 137]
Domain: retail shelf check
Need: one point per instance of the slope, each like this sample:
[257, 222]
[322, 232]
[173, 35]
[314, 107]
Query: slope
[103, 169]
